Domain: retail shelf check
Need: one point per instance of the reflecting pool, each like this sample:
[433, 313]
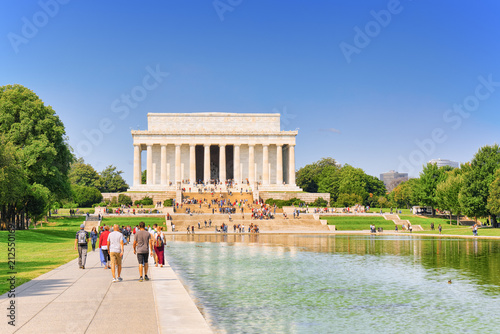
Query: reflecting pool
[339, 284]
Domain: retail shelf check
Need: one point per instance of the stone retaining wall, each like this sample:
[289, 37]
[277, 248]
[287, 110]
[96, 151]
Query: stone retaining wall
[306, 197]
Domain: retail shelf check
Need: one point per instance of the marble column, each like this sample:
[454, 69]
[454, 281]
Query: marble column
[222, 163]
[291, 164]
[163, 164]
[149, 165]
[137, 165]
[236, 164]
[265, 164]
[251, 164]
[192, 164]
[206, 164]
[279, 164]
[177, 163]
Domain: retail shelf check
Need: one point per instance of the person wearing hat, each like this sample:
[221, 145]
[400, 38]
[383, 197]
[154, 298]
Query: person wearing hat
[81, 240]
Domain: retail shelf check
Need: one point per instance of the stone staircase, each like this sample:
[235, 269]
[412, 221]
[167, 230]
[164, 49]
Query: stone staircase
[304, 223]
[91, 222]
[404, 223]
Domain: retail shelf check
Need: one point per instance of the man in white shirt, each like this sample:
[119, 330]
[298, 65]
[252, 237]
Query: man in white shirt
[115, 247]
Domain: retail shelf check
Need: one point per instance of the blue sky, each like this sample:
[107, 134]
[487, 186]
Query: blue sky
[379, 85]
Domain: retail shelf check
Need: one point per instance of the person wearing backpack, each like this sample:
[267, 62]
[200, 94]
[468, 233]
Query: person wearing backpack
[159, 246]
[82, 240]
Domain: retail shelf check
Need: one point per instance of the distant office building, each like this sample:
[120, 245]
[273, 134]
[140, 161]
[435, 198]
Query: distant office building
[392, 178]
[444, 162]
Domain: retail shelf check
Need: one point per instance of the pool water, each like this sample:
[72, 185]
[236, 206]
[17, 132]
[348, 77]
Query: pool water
[341, 284]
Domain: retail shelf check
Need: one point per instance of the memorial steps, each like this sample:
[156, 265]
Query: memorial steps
[306, 222]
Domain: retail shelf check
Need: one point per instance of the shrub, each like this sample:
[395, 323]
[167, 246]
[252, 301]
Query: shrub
[147, 201]
[124, 199]
[281, 203]
[320, 202]
[168, 202]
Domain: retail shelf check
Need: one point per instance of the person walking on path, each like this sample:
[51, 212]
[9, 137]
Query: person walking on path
[103, 244]
[159, 246]
[82, 240]
[115, 246]
[440, 228]
[93, 238]
[153, 232]
[142, 245]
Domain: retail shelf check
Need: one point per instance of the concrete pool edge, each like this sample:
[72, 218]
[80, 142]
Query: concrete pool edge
[364, 232]
[177, 312]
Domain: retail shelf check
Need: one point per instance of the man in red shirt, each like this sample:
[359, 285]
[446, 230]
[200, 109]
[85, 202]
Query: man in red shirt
[103, 244]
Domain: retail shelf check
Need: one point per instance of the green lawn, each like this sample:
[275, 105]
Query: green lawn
[358, 223]
[45, 248]
[132, 221]
[388, 210]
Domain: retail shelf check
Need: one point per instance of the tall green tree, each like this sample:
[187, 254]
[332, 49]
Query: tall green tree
[111, 180]
[494, 195]
[13, 185]
[403, 194]
[430, 177]
[39, 135]
[448, 193]
[477, 180]
[83, 174]
[309, 176]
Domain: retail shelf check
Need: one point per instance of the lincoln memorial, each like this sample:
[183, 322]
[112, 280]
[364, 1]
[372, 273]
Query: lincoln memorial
[197, 149]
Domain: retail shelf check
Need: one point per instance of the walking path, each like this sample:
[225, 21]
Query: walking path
[71, 300]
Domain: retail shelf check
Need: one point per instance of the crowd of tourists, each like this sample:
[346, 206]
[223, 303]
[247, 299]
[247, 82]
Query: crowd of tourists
[148, 241]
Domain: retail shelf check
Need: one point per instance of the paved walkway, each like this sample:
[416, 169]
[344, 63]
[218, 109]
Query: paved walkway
[71, 300]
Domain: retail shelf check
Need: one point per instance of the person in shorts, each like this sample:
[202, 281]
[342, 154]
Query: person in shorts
[142, 247]
[115, 247]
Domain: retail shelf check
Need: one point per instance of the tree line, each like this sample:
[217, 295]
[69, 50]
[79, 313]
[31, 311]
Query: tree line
[38, 171]
[472, 190]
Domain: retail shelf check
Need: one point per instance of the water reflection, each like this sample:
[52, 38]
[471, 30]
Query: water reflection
[306, 283]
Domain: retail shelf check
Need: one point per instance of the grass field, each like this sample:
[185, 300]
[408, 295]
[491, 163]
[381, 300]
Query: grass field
[388, 210]
[359, 223]
[40, 250]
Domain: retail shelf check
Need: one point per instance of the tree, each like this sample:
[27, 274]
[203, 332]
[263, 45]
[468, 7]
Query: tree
[430, 177]
[85, 196]
[347, 200]
[83, 174]
[308, 177]
[403, 194]
[478, 177]
[38, 201]
[111, 181]
[124, 199]
[144, 177]
[13, 185]
[494, 195]
[448, 193]
[39, 136]
[383, 202]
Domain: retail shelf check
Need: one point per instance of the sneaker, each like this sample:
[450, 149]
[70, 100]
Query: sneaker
[83, 267]
[140, 279]
[146, 278]
[115, 280]
[120, 279]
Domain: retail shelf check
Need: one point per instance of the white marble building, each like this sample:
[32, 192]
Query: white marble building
[184, 149]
